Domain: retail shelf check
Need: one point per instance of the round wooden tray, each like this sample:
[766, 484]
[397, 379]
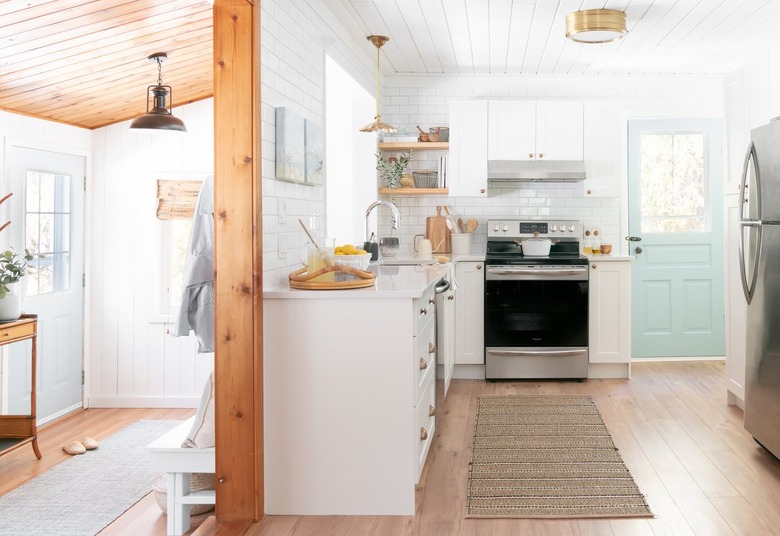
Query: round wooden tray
[361, 279]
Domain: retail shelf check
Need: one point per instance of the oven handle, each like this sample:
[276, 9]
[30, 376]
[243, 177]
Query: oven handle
[536, 352]
[525, 271]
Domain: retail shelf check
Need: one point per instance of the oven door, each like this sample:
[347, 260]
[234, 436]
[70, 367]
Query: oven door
[536, 322]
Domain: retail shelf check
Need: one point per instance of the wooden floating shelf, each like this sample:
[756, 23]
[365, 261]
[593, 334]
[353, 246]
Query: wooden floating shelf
[415, 146]
[413, 191]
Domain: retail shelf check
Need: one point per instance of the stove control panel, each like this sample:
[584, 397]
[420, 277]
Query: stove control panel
[553, 229]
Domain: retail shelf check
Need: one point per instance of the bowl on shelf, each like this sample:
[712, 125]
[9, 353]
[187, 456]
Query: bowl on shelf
[433, 134]
[606, 249]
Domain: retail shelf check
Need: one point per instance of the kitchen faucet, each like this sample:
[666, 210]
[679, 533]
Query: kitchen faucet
[396, 214]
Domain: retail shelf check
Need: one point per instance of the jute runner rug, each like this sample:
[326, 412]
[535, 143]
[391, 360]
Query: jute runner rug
[547, 456]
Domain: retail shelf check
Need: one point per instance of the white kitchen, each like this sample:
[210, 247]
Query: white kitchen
[371, 389]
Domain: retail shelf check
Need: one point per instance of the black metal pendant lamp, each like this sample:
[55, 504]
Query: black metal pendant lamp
[160, 117]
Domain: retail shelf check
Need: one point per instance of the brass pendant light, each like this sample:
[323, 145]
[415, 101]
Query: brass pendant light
[596, 25]
[377, 125]
[160, 117]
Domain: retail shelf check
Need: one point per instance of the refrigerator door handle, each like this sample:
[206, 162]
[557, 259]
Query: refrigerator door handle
[749, 288]
[750, 155]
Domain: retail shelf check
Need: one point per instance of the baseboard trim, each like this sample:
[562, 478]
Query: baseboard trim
[694, 358]
[150, 402]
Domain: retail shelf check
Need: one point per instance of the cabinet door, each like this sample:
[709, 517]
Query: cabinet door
[609, 299]
[511, 130]
[736, 309]
[559, 134]
[445, 336]
[468, 149]
[604, 129]
[469, 313]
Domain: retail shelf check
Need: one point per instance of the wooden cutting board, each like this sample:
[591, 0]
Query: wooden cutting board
[436, 231]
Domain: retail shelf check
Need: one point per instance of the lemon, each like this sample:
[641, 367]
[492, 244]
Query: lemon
[348, 249]
[339, 250]
[339, 253]
[361, 252]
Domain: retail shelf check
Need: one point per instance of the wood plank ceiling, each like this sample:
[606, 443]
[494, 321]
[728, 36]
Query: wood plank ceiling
[528, 36]
[84, 62]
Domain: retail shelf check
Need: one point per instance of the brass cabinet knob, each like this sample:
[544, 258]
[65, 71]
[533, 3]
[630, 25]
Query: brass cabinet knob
[541, 155]
[431, 411]
[423, 434]
[423, 363]
[431, 348]
[424, 311]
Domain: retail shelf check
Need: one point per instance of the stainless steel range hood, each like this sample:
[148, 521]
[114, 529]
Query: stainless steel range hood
[536, 170]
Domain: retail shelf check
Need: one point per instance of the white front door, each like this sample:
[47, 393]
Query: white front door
[47, 217]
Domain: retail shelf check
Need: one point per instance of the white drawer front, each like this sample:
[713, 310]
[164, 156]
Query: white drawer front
[424, 360]
[425, 426]
[424, 309]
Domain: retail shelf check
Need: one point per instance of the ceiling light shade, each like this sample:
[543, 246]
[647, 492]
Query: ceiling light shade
[596, 25]
[160, 116]
[377, 125]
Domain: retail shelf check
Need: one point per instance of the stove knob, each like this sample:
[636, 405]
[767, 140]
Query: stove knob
[505, 227]
[563, 228]
[495, 228]
[571, 228]
[554, 228]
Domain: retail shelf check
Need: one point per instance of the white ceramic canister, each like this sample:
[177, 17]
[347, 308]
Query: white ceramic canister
[461, 243]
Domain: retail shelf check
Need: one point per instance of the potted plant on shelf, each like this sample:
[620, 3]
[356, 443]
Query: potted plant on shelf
[13, 266]
[393, 170]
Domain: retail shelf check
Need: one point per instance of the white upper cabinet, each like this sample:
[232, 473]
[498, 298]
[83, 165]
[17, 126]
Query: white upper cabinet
[604, 136]
[535, 130]
[467, 174]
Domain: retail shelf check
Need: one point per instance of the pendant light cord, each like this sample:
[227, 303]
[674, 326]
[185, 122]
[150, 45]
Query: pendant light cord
[159, 71]
[377, 83]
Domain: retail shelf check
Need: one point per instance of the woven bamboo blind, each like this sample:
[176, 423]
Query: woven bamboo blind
[176, 199]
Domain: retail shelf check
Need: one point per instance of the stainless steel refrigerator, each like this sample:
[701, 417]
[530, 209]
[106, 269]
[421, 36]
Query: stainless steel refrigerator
[759, 251]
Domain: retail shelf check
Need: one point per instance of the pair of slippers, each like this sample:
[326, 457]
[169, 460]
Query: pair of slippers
[80, 447]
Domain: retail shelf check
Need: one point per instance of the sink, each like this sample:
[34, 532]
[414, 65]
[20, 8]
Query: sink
[390, 261]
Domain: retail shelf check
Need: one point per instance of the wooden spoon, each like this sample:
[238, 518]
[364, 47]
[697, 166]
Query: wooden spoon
[460, 225]
[471, 225]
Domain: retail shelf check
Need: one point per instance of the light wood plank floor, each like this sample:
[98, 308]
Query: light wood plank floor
[701, 471]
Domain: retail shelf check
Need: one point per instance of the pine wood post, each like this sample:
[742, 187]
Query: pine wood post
[238, 360]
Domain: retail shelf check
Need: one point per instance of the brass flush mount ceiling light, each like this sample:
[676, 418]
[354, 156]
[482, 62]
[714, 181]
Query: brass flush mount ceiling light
[377, 125]
[596, 25]
[160, 116]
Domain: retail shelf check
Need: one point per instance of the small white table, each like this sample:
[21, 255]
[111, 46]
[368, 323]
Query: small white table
[168, 456]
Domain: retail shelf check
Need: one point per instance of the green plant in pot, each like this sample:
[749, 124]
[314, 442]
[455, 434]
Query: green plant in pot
[13, 266]
[392, 169]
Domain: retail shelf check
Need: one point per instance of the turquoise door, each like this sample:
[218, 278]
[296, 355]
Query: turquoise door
[675, 221]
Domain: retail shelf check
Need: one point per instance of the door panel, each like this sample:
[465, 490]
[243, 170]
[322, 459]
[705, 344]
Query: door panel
[47, 214]
[675, 181]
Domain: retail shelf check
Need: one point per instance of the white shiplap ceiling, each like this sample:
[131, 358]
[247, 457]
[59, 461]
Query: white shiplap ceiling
[527, 36]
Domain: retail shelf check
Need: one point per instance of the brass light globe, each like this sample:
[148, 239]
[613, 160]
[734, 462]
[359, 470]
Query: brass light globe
[596, 25]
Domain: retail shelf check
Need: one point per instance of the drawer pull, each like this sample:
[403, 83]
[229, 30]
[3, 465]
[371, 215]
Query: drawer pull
[431, 411]
[450, 297]
[423, 434]
[431, 300]
[424, 311]
[423, 363]
[431, 348]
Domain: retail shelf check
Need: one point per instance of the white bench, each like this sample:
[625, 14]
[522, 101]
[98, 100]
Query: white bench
[168, 456]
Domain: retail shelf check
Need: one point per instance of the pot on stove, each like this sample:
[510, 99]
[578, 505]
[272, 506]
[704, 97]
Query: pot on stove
[536, 247]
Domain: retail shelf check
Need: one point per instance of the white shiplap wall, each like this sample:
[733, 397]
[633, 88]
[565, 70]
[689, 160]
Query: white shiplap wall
[296, 35]
[132, 360]
[424, 100]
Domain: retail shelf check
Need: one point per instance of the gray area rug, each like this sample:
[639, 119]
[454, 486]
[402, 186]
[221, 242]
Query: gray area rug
[547, 456]
[82, 495]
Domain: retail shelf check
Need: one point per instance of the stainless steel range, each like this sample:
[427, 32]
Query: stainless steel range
[536, 307]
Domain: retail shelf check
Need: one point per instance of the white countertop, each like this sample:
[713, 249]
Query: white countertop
[610, 258]
[391, 282]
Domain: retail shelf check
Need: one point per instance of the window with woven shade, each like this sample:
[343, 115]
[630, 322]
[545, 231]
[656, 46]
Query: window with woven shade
[176, 199]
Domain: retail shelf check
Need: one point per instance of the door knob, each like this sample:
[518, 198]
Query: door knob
[634, 238]
[638, 250]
